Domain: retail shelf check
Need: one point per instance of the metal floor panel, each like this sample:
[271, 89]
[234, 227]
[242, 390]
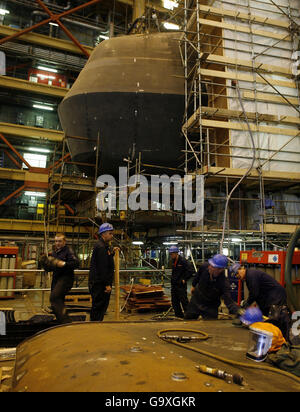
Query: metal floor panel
[129, 357]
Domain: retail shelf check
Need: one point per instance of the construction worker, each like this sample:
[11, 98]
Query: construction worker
[62, 263]
[208, 287]
[181, 273]
[268, 294]
[101, 273]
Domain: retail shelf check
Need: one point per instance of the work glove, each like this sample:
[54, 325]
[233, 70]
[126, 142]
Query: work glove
[241, 312]
[49, 263]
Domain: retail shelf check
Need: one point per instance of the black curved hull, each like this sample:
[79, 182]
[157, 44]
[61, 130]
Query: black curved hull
[131, 95]
[127, 124]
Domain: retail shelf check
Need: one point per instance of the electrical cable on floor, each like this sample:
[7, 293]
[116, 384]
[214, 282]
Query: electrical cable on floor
[205, 336]
[131, 282]
[236, 84]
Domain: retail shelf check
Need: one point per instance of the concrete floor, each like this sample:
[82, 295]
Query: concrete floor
[225, 340]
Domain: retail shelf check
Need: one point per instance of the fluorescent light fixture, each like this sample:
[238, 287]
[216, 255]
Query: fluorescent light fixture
[170, 243]
[170, 26]
[40, 106]
[47, 69]
[236, 239]
[137, 242]
[170, 5]
[36, 194]
[45, 76]
[103, 37]
[53, 24]
[37, 149]
[3, 12]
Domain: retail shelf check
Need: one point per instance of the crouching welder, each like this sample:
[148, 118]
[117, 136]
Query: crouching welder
[181, 273]
[269, 295]
[208, 287]
[62, 263]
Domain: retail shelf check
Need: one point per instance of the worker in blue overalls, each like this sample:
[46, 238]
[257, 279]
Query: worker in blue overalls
[182, 270]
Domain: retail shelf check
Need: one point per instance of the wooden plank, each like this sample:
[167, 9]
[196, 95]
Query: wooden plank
[237, 173]
[243, 16]
[215, 58]
[246, 78]
[215, 112]
[279, 228]
[243, 126]
[243, 29]
[270, 98]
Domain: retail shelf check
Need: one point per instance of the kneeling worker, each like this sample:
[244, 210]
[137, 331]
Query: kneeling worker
[269, 295]
[181, 273]
[208, 287]
[101, 273]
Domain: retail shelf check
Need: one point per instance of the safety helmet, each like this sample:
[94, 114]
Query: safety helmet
[218, 261]
[252, 315]
[233, 270]
[173, 249]
[105, 227]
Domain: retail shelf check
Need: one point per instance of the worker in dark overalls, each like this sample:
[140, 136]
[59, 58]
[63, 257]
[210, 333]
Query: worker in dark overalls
[62, 263]
[268, 294]
[208, 287]
[181, 273]
[101, 273]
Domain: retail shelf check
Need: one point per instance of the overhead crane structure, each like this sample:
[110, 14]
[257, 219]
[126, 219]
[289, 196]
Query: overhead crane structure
[240, 57]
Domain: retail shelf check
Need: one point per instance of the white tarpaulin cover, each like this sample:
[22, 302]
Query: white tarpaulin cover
[246, 46]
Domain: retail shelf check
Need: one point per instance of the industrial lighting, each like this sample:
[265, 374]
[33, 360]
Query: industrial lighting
[236, 239]
[53, 24]
[103, 37]
[37, 149]
[170, 26]
[39, 106]
[3, 12]
[170, 243]
[35, 194]
[45, 76]
[47, 69]
[170, 5]
[137, 242]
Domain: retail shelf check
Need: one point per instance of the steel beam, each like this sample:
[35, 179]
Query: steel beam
[53, 18]
[42, 40]
[13, 194]
[37, 226]
[31, 87]
[31, 132]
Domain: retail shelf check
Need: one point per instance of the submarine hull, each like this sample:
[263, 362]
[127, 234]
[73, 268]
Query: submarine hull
[130, 96]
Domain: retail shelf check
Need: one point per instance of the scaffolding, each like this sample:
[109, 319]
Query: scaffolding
[68, 186]
[242, 118]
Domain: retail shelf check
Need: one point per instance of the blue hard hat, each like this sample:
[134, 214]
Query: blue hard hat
[218, 261]
[233, 270]
[105, 227]
[173, 249]
[252, 315]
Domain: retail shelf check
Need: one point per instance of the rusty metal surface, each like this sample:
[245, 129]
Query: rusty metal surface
[129, 357]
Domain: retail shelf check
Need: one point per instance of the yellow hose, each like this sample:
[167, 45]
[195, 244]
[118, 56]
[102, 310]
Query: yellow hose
[225, 360]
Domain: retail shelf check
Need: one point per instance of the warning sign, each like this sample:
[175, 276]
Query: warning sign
[273, 258]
